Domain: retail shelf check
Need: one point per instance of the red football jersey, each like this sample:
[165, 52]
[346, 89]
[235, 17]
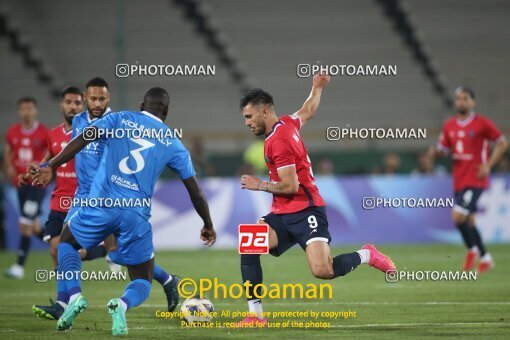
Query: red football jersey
[468, 141]
[65, 181]
[284, 147]
[27, 145]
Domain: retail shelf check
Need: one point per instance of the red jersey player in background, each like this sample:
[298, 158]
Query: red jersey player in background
[298, 213]
[466, 136]
[25, 143]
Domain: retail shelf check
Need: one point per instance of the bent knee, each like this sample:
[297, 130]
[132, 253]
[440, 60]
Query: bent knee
[459, 218]
[322, 272]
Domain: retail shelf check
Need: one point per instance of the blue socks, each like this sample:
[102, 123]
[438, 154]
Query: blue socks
[69, 264]
[160, 274]
[62, 295]
[137, 291]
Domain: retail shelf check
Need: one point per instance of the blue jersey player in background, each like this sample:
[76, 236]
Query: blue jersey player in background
[129, 169]
[97, 99]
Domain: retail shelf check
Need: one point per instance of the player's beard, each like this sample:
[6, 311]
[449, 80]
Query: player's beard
[69, 118]
[462, 112]
[259, 130]
[94, 115]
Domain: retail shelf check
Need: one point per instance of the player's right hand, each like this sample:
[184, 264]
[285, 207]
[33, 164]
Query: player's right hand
[208, 235]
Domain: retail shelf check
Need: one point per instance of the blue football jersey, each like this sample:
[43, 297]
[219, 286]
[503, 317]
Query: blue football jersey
[87, 160]
[133, 160]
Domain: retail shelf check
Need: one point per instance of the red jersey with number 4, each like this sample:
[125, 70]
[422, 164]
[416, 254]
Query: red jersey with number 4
[65, 179]
[468, 141]
[284, 147]
[27, 146]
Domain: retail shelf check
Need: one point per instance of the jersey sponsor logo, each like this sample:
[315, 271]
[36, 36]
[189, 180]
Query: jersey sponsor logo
[253, 239]
[92, 146]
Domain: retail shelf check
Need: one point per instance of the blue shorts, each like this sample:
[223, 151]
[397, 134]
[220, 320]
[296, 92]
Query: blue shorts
[466, 199]
[91, 225]
[73, 210]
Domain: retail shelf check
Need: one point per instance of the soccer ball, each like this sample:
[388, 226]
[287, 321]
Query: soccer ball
[197, 309]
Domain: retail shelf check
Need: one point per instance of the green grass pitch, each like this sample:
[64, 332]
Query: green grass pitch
[425, 309]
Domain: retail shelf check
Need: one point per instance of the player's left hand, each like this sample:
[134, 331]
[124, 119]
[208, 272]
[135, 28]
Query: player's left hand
[250, 182]
[484, 171]
[23, 179]
[42, 176]
[208, 235]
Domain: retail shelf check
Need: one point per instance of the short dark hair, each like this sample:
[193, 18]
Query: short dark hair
[96, 81]
[466, 89]
[27, 100]
[256, 97]
[70, 89]
[156, 101]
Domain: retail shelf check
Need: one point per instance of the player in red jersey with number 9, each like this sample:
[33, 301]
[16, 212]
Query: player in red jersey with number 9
[298, 213]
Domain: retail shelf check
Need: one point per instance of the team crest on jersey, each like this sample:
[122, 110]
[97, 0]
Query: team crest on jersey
[472, 133]
[267, 159]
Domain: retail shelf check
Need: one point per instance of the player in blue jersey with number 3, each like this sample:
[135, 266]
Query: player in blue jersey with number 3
[128, 170]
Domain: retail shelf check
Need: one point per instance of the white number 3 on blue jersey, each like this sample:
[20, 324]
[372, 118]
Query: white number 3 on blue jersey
[137, 156]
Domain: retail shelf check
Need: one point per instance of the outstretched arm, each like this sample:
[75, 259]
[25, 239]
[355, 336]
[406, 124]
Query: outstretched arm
[312, 102]
[44, 174]
[68, 153]
[207, 234]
